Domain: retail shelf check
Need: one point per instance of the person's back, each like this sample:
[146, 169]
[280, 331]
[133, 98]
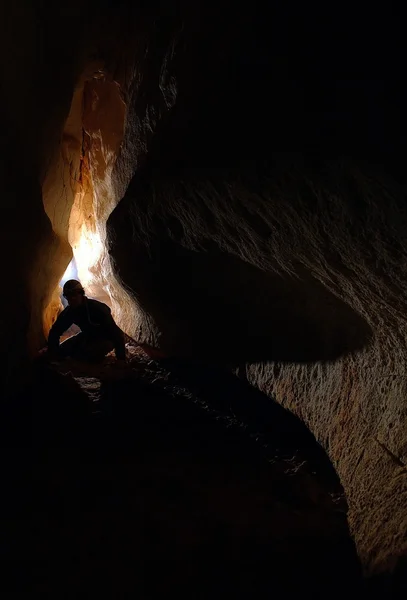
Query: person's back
[99, 332]
[92, 317]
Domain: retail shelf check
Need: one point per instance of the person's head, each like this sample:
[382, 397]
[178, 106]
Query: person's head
[74, 293]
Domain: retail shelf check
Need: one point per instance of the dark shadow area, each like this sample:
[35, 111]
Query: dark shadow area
[155, 485]
[217, 308]
[279, 431]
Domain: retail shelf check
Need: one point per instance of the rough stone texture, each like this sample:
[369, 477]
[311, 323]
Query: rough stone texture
[50, 57]
[261, 255]
[356, 406]
[263, 213]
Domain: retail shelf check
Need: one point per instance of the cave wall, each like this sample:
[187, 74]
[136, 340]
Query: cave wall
[51, 57]
[264, 228]
[57, 67]
[78, 192]
[62, 72]
[218, 305]
[260, 219]
[39, 69]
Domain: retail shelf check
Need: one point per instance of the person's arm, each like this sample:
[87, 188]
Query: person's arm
[63, 322]
[115, 334]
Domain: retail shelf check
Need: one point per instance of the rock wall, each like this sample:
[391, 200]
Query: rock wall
[39, 69]
[265, 228]
[262, 215]
[328, 284]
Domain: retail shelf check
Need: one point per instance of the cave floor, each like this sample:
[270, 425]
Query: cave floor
[166, 479]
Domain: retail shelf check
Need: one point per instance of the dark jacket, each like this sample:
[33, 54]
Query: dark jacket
[94, 319]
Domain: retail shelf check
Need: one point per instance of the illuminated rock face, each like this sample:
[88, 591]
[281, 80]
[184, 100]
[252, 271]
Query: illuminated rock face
[82, 168]
[241, 251]
[244, 234]
[311, 289]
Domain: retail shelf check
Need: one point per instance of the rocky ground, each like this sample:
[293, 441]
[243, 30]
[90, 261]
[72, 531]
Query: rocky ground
[163, 479]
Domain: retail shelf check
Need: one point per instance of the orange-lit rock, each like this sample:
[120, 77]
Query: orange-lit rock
[77, 192]
[260, 214]
[289, 263]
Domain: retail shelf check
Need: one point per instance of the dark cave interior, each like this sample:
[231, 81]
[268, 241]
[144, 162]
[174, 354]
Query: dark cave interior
[230, 181]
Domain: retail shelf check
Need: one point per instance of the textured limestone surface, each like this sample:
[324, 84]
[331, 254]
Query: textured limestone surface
[292, 263]
[260, 210]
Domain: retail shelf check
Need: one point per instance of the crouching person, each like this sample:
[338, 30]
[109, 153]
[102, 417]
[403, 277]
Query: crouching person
[99, 333]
